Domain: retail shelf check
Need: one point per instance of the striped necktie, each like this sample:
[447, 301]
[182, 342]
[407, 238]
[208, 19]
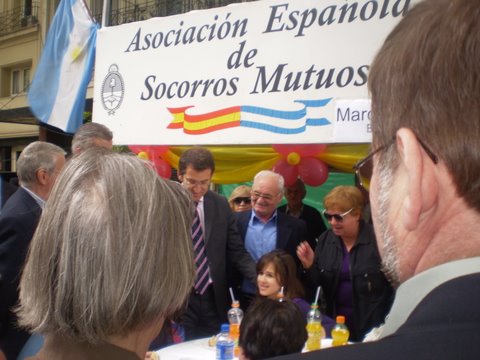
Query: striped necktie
[202, 278]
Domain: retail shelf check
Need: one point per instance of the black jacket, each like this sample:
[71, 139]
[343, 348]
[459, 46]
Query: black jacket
[372, 293]
[18, 222]
[445, 325]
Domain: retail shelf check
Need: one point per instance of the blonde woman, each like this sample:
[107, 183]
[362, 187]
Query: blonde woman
[347, 265]
[239, 199]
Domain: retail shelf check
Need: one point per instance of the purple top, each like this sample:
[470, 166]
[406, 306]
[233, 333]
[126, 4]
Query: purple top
[344, 296]
[303, 305]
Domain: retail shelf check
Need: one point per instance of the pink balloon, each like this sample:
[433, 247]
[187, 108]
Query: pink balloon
[304, 150]
[289, 172]
[159, 150]
[137, 148]
[163, 168]
[284, 149]
[311, 149]
[151, 150]
[313, 172]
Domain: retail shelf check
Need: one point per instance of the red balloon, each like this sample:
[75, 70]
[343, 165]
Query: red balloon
[159, 150]
[313, 172]
[289, 172]
[284, 149]
[137, 148]
[163, 168]
[304, 150]
[311, 149]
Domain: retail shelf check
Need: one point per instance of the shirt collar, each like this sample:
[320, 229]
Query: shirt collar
[37, 198]
[256, 218]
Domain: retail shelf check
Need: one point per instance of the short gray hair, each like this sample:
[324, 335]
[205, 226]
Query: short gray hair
[270, 173]
[112, 251]
[37, 155]
[86, 134]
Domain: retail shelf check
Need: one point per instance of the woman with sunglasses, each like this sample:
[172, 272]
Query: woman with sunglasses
[239, 199]
[347, 265]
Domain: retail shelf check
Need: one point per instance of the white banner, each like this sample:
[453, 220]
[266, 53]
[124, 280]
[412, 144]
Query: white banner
[266, 72]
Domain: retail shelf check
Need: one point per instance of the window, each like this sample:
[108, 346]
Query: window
[26, 79]
[15, 82]
[20, 80]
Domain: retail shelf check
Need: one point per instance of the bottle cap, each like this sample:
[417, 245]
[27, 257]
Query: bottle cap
[225, 328]
[340, 319]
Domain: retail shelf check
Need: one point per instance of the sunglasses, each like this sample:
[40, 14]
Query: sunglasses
[364, 168]
[337, 217]
[240, 200]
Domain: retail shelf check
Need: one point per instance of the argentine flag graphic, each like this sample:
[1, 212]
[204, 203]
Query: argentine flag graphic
[57, 92]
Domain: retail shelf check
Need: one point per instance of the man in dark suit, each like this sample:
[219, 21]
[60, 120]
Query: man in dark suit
[425, 188]
[208, 303]
[296, 208]
[6, 190]
[37, 168]
[263, 228]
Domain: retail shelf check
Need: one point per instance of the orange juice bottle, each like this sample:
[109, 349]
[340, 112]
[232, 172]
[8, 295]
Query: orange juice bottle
[235, 316]
[340, 333]
[315, 329]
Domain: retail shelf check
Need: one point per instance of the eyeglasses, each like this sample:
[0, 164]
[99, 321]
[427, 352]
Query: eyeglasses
[239, 200]
[268, 197]
[192, 183]
[337, 217]
[364, 167]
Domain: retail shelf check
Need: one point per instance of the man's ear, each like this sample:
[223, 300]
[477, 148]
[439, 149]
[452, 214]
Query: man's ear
[421, 185]
[42, 176]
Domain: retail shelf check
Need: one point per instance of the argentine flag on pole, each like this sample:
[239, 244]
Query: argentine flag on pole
[58, 89]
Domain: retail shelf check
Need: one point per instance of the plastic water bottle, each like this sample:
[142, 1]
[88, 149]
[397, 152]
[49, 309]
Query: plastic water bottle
[340, 333]
[224, 344]
[315, 330]
[235, 317]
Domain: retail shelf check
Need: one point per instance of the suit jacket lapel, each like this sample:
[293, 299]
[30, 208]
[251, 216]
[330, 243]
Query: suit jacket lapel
[283, 230]
[209, 215]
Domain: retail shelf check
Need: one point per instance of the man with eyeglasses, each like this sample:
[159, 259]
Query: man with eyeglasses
[425, 185]
[296, 208]
[263, 228]
[217, 237]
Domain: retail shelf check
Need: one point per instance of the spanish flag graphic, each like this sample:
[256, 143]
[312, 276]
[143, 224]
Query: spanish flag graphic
[303, 114]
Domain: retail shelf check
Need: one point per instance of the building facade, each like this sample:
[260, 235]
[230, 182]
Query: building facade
[23, 29]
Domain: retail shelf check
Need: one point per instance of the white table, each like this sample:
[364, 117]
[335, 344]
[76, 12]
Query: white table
[200, 350]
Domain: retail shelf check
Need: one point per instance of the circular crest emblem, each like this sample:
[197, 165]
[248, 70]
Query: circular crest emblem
[112, 90]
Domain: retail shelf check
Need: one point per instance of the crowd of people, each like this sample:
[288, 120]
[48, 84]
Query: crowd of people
[102, 257]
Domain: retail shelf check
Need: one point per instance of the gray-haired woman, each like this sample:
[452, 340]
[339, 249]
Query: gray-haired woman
[110, 261]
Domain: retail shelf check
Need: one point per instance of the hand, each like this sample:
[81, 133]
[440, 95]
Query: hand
[305, 254]
[2, 356]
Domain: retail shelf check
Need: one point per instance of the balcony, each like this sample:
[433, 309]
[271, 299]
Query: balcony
[144, 10]
[18, 18]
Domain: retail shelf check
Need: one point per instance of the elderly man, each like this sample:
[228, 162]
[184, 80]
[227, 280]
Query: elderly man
[425, 188]
[90, 135]
[263, 228]
[296, 208]
[217, 246]
[37, 168]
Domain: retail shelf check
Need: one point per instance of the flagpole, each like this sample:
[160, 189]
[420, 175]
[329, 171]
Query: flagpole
[106, 11]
